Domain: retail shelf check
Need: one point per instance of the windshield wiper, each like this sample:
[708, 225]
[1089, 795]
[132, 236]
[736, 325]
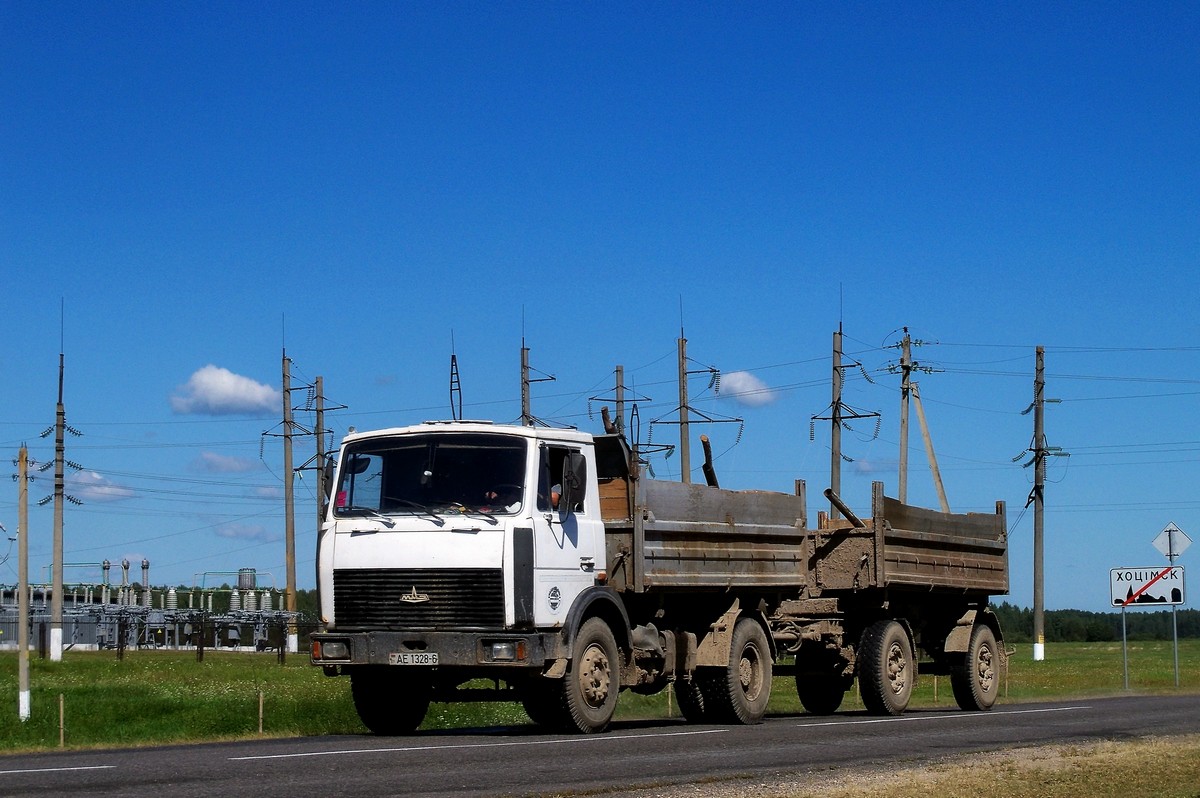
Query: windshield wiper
[476, 511]
[369, 511]
[420, 508]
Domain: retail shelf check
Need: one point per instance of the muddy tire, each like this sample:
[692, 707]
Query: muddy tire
[820, 694]
[543, 703]
[886, 668]
[740, 691]
[692, 704]
[593, 680]
[390, 703]
[976, 679]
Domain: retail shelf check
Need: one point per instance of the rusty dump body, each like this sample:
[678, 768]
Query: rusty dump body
[663, 535]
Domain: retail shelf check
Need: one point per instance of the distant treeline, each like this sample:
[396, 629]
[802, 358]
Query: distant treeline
[1078, 626]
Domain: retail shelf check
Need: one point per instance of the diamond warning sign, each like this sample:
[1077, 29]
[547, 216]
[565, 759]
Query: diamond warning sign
[1140, 587]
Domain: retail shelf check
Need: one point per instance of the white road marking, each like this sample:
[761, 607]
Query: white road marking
[953, 716]
[57, 770]
[616, 738]
[507, 744]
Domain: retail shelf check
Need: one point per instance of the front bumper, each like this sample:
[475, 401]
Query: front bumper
[497, 648]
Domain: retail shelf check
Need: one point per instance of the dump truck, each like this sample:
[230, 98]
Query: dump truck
[470, 561]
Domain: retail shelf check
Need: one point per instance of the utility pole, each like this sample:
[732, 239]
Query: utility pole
[620, 399]
[1039, 485]
[526, 403]
[56, 598]
[685, 455]
[23, 709]
[289, 509]
[319, 434]
[905, 387]
[527, 417]
[835, 441]
[929, 453]
[1037, 497]
[839, 414]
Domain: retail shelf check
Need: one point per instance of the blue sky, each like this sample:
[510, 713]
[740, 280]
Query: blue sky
[187, 188]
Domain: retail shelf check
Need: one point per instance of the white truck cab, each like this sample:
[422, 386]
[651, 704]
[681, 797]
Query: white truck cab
[457, 545]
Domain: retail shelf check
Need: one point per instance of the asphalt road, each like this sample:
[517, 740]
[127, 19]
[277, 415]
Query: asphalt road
[517, 761]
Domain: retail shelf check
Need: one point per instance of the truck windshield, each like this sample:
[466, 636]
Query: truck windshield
[424, 474]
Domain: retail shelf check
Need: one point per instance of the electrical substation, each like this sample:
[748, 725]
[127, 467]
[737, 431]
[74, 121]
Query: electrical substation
[134, 615]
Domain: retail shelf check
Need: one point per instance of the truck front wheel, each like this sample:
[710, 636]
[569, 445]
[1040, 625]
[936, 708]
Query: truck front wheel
[592, 682]
[543, 702]
[389, 701]
[975, 679]
[886, 668]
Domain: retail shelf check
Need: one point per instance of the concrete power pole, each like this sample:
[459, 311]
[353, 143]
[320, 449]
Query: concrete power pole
[56, 599]
[526, 403]
[1037, 497]
[835, 442]
[23, 585]
[620, 399]
[685, 454]
[289, 509]
[319, 434]
[1039, 486]
[905, 392]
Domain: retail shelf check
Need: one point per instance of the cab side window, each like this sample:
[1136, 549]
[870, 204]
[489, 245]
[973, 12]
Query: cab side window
[550, 479]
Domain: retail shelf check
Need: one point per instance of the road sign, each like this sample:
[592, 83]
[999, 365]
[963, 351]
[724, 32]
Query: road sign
[1153, 586]
[1172, 541]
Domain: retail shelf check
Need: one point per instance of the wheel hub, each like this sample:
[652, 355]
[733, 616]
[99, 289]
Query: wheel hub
[595, 676]
[897, 669]
[750, 674]
[985, 673]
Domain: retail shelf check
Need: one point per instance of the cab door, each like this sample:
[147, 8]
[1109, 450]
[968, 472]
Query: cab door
[565, 537]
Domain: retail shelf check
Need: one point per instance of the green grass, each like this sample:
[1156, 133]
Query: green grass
[156, 697]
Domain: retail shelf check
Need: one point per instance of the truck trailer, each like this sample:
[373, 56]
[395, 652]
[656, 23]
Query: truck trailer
[465, 561]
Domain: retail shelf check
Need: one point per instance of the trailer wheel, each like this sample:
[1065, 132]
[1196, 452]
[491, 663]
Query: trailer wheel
[692, 704]
[592, 682]
[744, 686]
[885, 668]
[820, 694]
[390, 703]
[976, 678]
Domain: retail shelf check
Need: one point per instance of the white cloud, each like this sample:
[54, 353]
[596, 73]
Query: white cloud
[216, 391]
[88, 486]
[744, 388]
[213, 463]
[247, 532]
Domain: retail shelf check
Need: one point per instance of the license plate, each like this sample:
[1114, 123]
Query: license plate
[413, 658]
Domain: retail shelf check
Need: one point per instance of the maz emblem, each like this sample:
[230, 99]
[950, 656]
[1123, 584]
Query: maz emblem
[414, 597]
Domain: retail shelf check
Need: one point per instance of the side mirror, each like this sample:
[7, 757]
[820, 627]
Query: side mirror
[574, 481]
[328, 477]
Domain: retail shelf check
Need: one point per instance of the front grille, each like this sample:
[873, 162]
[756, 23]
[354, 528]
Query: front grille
[372, 598]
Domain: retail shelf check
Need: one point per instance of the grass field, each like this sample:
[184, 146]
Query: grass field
[154, 697]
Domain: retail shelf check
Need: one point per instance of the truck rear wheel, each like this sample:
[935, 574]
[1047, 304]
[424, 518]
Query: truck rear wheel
[975, 680]
[820, 694]
[743, 688]
[390, 702]
[593, 681]
[692, 704]
[886, 668]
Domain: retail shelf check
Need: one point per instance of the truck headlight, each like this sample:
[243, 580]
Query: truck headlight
[506, 651]
[330, 649]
